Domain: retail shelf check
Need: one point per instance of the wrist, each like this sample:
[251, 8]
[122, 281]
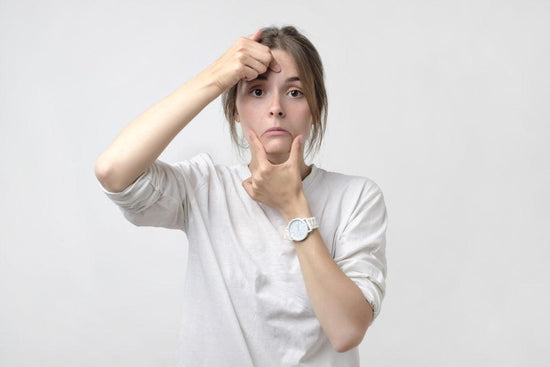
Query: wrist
[210, 78]
[299, 208]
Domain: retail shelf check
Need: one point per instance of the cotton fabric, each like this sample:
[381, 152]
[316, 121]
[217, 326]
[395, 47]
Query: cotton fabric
[245, 301]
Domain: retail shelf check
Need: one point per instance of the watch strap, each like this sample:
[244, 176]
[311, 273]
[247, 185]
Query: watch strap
[312, 223]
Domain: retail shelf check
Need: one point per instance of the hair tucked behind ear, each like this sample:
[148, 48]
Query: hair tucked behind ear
[310, 70]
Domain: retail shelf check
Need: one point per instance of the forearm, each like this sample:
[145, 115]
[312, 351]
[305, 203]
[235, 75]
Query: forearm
[140, 143]
[338, 303]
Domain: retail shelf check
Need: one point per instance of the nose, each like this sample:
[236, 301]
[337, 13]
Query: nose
[276, 108]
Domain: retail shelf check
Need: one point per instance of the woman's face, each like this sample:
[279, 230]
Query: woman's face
[275, 108]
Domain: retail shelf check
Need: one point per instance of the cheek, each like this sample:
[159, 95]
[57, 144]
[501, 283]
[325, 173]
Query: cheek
[251, 118]
[246, 108]
[305, 115]
[248, 117]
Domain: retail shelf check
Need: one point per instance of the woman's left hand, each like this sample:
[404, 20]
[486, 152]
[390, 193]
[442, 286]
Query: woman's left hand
[278, 186]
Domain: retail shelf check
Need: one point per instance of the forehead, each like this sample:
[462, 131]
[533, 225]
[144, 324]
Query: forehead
[285, 60]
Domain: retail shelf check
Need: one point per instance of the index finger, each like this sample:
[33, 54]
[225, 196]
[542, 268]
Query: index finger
[273, 64]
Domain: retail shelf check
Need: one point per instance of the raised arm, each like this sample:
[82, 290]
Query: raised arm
[141, 142]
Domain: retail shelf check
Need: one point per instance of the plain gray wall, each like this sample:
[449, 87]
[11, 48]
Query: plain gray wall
[443, 103]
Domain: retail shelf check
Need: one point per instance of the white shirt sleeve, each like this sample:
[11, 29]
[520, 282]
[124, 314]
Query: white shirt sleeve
[159, 197]
[360, 250]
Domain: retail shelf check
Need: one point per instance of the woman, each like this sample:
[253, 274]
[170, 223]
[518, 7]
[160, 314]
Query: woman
[286, 262]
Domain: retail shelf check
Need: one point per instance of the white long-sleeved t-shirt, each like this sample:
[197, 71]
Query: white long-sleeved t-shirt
[245, 300]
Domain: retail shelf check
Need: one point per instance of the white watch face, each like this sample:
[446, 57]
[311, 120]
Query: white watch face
[297, 229]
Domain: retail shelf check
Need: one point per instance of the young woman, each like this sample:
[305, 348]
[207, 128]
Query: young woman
[286, 262]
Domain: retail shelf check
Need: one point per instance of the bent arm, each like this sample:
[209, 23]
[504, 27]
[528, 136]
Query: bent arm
[340, 306]
[140, 143]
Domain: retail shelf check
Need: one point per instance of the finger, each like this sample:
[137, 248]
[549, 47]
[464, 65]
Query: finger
[253, 68]
[264, 55]
[249, 74]
[249, 188]
[274, 65]
[297, 151]
[247, 185]
[257, 148]
[256, 36]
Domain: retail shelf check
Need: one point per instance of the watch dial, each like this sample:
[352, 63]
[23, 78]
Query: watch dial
[298, 230]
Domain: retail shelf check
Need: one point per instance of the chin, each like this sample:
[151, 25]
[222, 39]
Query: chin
[277, 148]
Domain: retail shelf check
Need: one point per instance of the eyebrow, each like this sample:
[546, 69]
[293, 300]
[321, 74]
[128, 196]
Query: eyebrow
[289, 80]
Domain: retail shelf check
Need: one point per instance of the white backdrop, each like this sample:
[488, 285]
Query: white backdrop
[443, 103]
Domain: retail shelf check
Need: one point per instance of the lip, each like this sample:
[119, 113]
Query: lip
[274, 131]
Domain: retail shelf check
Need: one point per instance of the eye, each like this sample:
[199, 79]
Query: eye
[295, 93]
[257, 92]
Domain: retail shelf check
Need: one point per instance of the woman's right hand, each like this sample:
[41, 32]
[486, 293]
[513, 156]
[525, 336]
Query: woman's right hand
[245, 60]
[140, 143]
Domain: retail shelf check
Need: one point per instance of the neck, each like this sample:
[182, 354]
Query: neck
[305, 170]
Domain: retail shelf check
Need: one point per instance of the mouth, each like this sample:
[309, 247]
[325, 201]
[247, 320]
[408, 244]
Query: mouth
[274, 131]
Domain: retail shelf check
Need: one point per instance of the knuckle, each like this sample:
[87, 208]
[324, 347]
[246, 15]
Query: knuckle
[257, 179]
[263, 172]
[238, 67]
[252, 75]
[239, 70]
[240, 55]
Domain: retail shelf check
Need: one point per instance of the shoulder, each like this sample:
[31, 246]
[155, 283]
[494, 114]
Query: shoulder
[348, 184]
[201, 162]
[201, 169]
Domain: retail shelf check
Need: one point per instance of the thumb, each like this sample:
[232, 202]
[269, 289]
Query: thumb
[256, 36]
[297, 150]
[247, 185]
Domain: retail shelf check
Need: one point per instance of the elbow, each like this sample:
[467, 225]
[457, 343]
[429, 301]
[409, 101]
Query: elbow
[104, 174]
[101, 170]
[345, 348]
[348, 341]
[352, 336]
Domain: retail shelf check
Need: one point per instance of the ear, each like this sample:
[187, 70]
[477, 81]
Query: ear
[236, 116]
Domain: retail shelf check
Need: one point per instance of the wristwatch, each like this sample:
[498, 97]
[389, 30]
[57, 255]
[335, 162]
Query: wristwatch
[298, 228]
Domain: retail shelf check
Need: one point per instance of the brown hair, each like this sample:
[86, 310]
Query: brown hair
[310, 70]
